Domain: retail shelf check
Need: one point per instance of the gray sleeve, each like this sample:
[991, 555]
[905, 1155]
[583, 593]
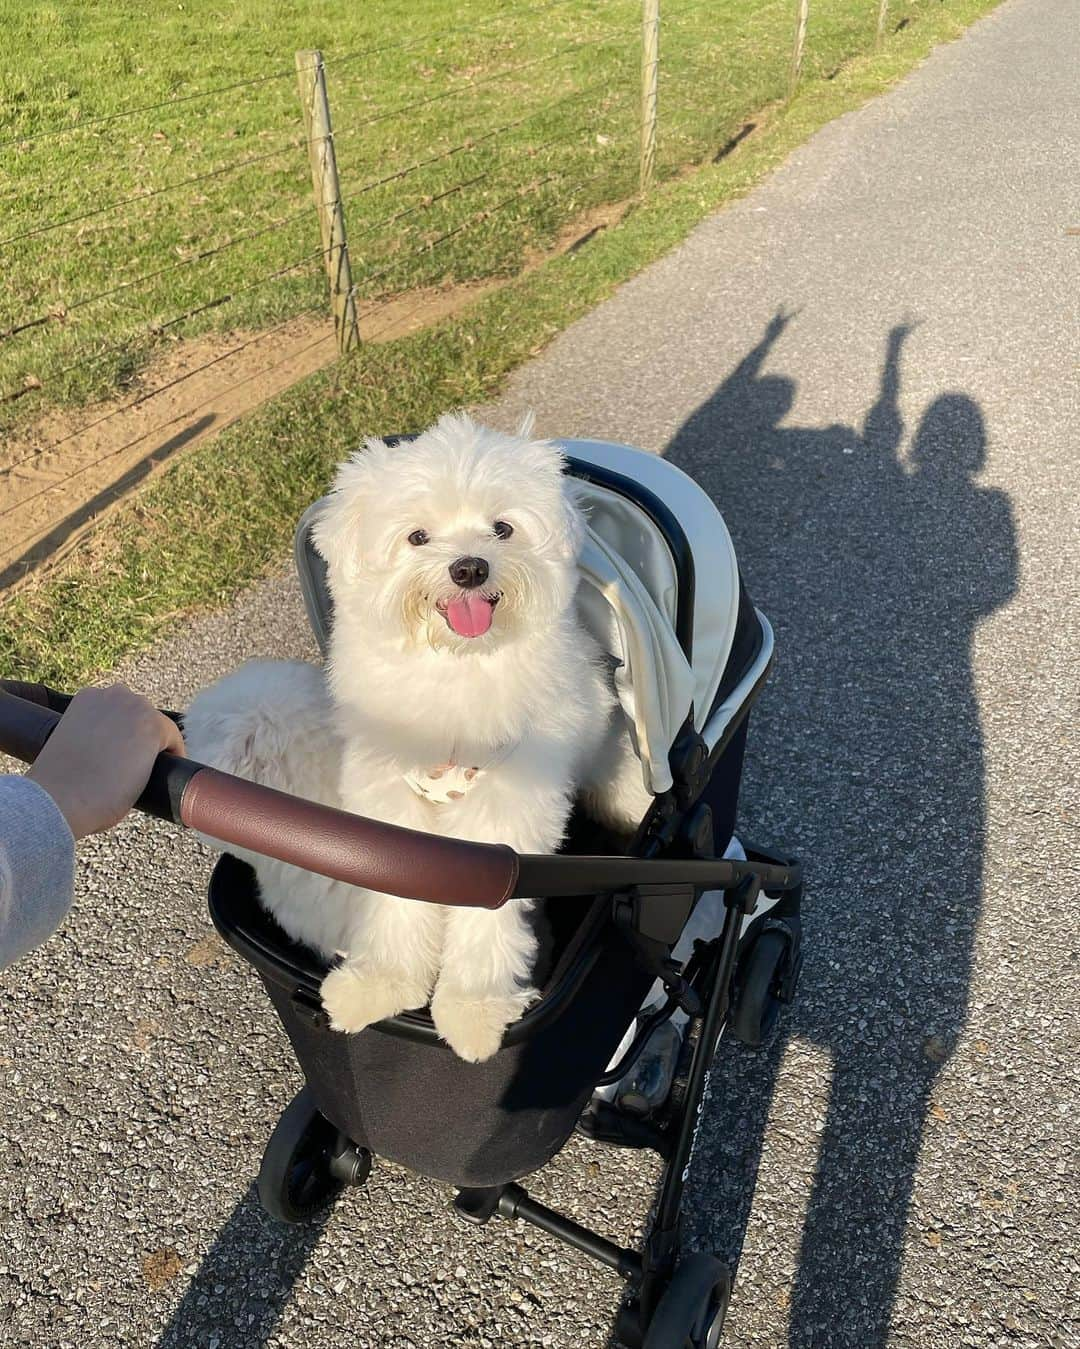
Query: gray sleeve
[37, 867]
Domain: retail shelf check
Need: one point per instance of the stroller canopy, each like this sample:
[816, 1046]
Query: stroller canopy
[630, 593]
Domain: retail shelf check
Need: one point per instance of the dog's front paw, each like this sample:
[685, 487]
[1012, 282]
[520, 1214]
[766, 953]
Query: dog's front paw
[473, 1024]
[356, 995]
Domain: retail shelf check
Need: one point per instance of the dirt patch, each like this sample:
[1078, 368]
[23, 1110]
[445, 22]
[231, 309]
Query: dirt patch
[209, 951]
[579, 231]
[160, 1267]
[62, 475]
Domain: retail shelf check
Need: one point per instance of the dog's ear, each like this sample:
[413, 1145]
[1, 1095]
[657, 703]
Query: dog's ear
[338, 531]
[576, 518]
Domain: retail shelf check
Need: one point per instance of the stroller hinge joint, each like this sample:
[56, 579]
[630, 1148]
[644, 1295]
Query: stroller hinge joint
[658, 913]
[744, 896]
[651, 918]
[689, 760]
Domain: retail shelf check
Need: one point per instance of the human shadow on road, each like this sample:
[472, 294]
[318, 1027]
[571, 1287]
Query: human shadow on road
[866, 757]
[244, 1282]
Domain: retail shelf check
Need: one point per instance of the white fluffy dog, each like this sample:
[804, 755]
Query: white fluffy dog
[463, 698]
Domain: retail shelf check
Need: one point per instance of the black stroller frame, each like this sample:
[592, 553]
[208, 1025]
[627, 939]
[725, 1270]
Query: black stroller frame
[738, 979]
[704, 990]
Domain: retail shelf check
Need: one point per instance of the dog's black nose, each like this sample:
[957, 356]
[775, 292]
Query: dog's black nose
[469, 572]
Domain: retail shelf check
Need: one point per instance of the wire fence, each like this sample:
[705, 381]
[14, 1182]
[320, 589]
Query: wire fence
[177, 251]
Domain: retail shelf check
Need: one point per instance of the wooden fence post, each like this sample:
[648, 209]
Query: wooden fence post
[311, 74]
[650, 78]
[799, 45]
[882, 17]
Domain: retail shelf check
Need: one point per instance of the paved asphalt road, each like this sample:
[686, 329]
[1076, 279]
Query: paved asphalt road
[872, 363]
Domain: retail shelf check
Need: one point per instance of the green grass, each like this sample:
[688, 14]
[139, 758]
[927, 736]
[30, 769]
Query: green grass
[562, 78]
[245, 490]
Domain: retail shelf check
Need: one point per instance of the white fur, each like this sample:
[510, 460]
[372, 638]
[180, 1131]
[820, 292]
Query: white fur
[529, 701]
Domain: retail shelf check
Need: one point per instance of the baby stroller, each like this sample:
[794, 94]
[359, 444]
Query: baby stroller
[660, 588]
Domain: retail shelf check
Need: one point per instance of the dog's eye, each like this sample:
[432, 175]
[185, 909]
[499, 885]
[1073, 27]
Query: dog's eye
[419, 537]
[502, 529]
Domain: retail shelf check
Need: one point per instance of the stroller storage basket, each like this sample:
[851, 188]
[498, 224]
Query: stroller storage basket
[397, 1090]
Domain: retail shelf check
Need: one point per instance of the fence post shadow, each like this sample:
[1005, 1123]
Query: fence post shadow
[244, 1281]
[866, 758]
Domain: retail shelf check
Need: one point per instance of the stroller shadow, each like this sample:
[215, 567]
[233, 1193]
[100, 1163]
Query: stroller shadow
[866, 758]
[244, 1282]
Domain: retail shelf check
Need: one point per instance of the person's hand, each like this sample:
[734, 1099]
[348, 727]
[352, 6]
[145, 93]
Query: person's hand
[97, 761]
[779, 322]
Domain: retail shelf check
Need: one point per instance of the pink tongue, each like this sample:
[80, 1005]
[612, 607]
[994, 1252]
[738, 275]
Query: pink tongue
[469, 615]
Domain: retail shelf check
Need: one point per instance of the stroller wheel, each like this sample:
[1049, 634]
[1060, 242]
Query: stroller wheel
[304, 1168]
[758, 987]
[690, 1315]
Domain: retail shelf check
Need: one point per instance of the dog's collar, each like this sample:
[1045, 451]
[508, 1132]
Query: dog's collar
[448, 782]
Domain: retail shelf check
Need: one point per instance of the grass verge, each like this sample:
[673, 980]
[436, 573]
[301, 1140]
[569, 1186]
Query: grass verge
[221, 516]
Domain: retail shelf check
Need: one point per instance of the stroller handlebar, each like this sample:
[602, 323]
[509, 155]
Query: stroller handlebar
[232, 810]
[363, 852]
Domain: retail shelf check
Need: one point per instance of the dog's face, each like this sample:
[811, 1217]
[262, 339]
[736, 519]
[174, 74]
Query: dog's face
[463, 539]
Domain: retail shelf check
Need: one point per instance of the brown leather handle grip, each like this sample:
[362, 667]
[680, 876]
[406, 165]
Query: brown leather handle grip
[333, 843]
[368, 853]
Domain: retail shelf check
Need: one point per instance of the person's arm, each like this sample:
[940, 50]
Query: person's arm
[37, 867]
[90, 773]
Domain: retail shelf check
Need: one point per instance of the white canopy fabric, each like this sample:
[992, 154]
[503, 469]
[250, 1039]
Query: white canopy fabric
[716, 592]
[628, 597]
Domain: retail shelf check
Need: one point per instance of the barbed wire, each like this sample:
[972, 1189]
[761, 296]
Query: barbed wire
[163, 426]
[154, 329]
[217, 360]
[89, 122]
[338, 61]
[335, 62]
[403, 319]
[667, 14]
[423, 205]
[425, 202]
[457, 92]
[294, 143]
[53, 316]
[239, 165]
[59, 312]
[261, 373]
[399, 110]
[215, 302]
[218, 301]
[235, 167]
[471, 143]
[477, 218]
[153, 393]
[397, 320]
[163, 388]
[511, 11]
